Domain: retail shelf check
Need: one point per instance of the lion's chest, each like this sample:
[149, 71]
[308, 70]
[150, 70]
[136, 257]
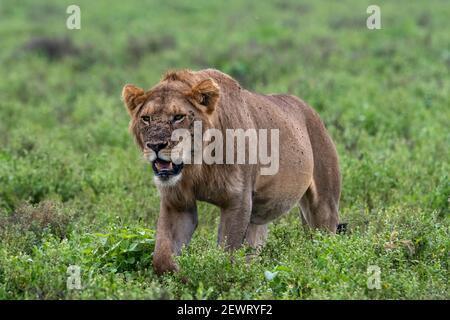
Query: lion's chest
[219, 197]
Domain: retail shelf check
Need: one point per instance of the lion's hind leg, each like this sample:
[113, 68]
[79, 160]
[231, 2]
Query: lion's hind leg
[320, 209]
[320, 203]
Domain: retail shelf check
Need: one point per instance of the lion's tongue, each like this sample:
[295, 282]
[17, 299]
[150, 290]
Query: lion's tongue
[163, 165]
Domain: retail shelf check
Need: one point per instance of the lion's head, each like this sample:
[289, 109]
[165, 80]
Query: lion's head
[175, 103]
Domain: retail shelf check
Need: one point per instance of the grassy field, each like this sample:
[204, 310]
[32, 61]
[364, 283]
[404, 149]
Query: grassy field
[74, 190]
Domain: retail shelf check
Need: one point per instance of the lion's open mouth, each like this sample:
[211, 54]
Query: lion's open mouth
[166, 169]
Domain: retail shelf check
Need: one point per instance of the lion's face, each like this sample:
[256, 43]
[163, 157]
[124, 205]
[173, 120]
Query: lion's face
[155, 124]
[155, 115]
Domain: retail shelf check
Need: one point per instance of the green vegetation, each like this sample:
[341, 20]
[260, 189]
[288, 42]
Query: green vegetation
[74, 190]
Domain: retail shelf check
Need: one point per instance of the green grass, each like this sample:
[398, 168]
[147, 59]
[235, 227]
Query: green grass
[74, 191]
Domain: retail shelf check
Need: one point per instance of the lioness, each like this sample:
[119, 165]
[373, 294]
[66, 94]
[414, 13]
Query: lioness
[308, 172]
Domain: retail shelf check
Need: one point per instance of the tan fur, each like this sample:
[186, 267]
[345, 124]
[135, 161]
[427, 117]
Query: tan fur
[308, 173]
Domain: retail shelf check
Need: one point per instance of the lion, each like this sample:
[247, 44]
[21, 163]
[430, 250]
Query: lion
[308, 174]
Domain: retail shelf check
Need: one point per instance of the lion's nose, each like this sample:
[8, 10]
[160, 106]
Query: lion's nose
[156, 146]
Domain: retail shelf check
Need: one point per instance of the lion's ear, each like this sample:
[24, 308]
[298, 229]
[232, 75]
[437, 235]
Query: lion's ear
[206, 93]
[132, 97]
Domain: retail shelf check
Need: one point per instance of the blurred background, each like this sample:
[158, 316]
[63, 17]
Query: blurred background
[68, 162]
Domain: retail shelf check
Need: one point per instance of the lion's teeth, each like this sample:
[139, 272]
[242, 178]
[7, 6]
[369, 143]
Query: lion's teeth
[163, 165]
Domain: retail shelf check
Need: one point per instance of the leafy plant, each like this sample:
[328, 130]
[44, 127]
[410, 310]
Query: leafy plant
[281, 281]
[120, 249]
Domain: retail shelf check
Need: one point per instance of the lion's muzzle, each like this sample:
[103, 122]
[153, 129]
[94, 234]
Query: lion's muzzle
[165, 169]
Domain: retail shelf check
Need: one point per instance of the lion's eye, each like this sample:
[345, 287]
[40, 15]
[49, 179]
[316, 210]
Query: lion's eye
[146, 119]
[178, 118]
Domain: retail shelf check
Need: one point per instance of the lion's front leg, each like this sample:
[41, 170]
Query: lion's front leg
[175, 228]
[234, 221]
